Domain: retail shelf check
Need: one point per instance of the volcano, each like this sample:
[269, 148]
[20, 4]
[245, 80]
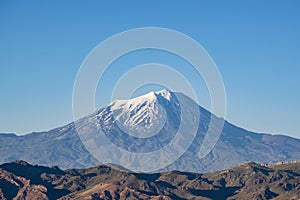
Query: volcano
[147, 124]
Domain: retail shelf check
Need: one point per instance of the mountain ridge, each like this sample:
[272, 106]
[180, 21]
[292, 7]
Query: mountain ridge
[63, 147]
[21, 180]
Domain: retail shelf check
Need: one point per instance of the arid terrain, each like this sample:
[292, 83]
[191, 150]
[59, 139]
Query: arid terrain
[21, 180]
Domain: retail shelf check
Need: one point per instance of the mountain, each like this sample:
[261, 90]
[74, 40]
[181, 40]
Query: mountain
[20, 180]
[156, 118]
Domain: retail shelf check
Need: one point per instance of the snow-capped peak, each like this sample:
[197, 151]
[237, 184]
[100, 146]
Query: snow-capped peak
[150, 97]
[165, 93]
[143, 116]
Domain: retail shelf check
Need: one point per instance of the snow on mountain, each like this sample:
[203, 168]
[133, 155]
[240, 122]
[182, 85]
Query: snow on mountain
[145, 124]
[142, 116]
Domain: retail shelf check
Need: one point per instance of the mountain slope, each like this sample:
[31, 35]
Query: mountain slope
[157, 115]
[20, 180]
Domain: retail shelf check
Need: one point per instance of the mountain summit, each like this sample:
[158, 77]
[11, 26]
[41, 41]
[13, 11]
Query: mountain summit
[147, 124]
[142, 115]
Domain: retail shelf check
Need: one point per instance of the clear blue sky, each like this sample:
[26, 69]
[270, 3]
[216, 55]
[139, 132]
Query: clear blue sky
[255, 44]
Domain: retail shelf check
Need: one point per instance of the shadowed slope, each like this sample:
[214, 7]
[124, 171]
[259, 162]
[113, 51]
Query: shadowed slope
[247, 181]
